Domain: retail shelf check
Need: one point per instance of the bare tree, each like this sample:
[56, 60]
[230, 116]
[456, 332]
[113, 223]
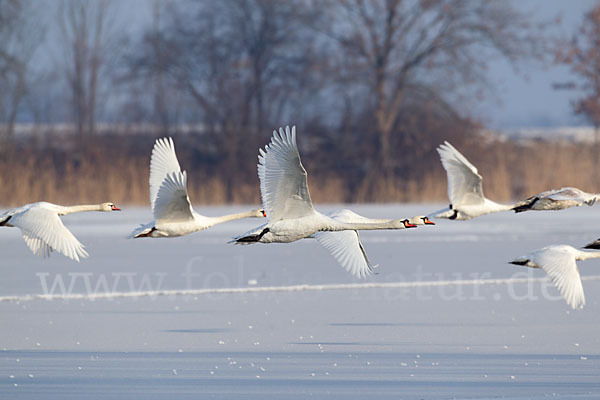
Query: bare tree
[20, 36]
[241, 63]
[152, 91]
[582, 54]
[398, 53]
[85, 29]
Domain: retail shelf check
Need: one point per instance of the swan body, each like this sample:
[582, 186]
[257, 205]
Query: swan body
[557, 199]
[173, 212]
[291, 230]
[465, 189]
[560, 263]
[43, 230]
[290, 213]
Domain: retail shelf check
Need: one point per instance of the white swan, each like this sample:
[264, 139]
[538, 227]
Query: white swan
[289, 208]
[173, 213]
[557, 199]
[464, 188]
[44, 231]
[559, 262]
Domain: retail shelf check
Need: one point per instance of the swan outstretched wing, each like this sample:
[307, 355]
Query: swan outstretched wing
[561, 267]
[172, 201]
[564, 194]
[464, 182]
[162, 163]
[346, 248]
[350, 217]
[37, 245]
[282, 177]
[43, 231]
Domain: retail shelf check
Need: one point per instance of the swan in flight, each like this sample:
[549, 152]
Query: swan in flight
[290, 213]
[173, 213]
[559, 262]
[557, 199]
[464, 188]
[44, 231]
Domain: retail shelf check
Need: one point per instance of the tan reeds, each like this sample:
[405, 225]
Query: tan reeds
[510, 172]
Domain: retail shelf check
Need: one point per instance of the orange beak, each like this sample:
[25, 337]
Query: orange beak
[427, 221]
[409, 225]
[264, 213]
[115, 208]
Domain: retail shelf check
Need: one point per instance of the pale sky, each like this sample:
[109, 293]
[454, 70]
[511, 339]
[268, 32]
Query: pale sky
[523, 98]
[526, 98]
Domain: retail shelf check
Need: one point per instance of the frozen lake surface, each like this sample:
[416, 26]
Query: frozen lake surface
[468, 340]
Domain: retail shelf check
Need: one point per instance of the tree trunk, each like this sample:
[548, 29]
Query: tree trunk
[596, 154]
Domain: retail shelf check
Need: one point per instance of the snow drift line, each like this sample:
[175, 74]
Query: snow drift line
[292, 288]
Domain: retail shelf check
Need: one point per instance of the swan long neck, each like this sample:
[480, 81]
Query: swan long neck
[81, 208]
[365, 226]
[586, 255]
[232, 217]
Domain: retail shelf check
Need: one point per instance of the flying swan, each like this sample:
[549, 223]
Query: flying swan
[290, 213]
[173, 213]
[559, 262]
[464, 188]
[44, 231]
[557, 199]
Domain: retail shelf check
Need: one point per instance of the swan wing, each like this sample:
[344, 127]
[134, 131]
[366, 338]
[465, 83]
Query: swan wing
[566, 194]
[37, 245]
[172, 201]
[464, 182]
[43, 231]
[283, 185]
[162, 163]
[349, 217]
[346, 248]
[561, 267]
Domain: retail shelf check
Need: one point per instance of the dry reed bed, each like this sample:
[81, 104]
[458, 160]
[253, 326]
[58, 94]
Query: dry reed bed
[510, 171]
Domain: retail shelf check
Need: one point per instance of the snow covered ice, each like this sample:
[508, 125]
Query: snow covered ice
[510, 340]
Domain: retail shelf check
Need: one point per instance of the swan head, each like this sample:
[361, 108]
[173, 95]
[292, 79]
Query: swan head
[408, 224]
[259, 213]
[109, 207]
[421, 220]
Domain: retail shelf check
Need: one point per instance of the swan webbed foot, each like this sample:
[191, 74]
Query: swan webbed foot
[252, 238]
[145, 234]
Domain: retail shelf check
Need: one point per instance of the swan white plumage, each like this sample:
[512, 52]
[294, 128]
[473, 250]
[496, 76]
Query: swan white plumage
[290, 213]
[557, 199]
[43, 230]
[560, 263]
[346, 247]
[171, 207]
[465, 189]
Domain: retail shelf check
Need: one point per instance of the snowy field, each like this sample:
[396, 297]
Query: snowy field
[460, 338]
